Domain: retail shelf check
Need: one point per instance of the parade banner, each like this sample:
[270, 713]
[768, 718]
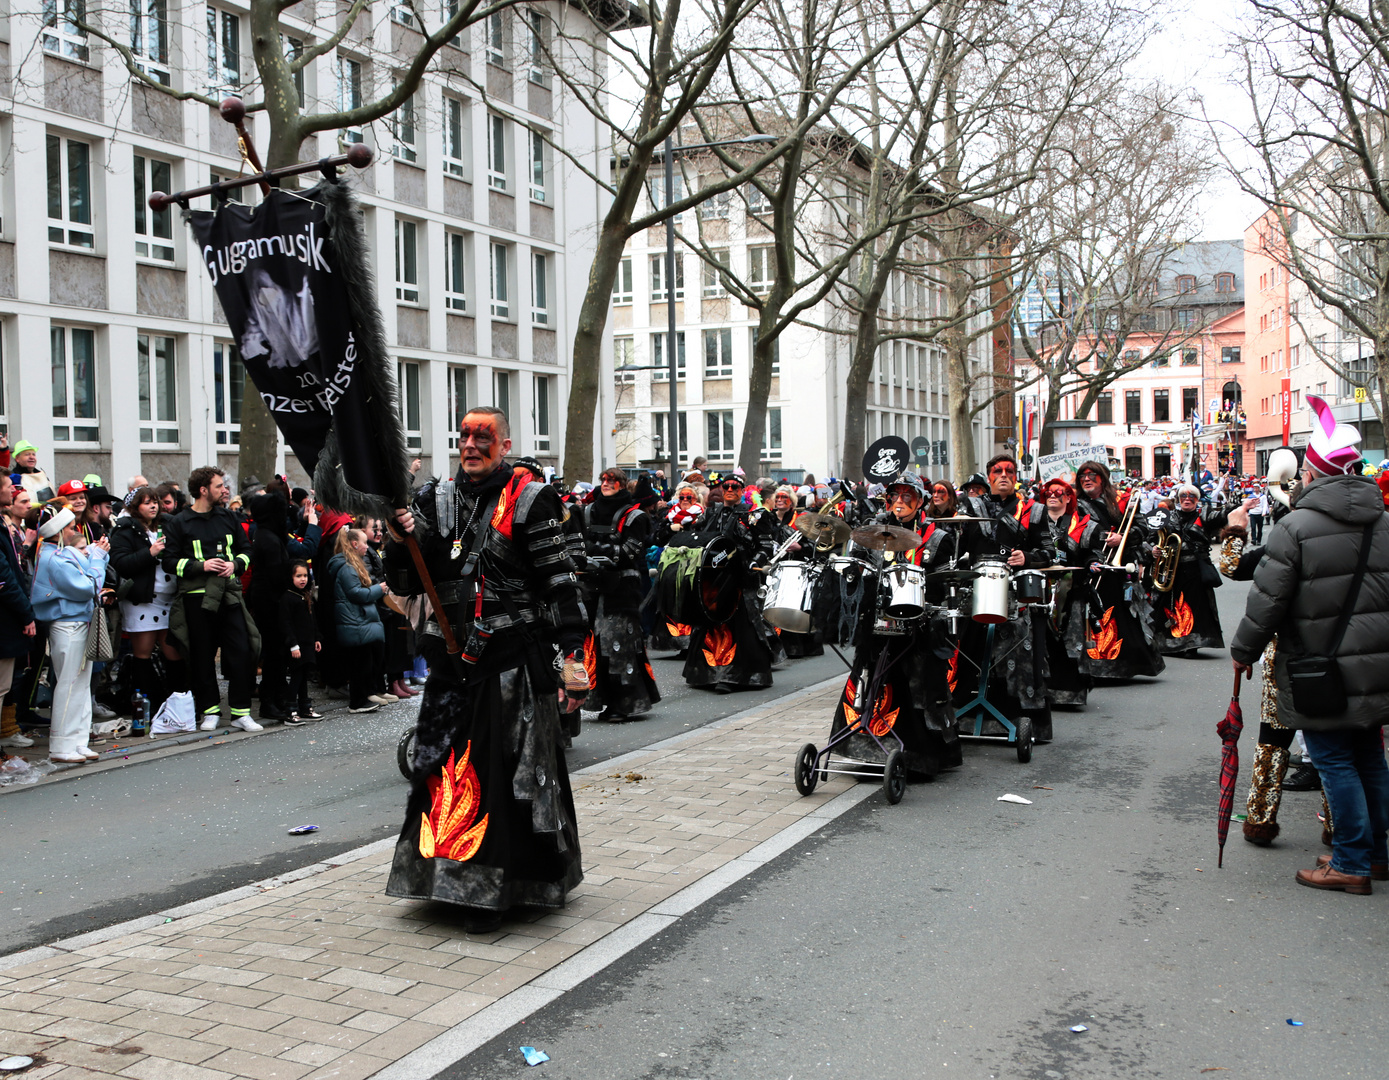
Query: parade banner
[1063, 466]
[287, 275]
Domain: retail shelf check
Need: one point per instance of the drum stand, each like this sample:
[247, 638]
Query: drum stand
[1017, 734]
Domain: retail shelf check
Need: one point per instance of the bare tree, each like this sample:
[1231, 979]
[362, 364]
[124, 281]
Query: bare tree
[1317, 75]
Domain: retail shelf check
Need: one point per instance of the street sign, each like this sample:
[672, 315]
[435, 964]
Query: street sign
[1361, 395]
[921, 448]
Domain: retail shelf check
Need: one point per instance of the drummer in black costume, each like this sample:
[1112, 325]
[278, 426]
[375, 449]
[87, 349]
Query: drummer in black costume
[783, 515]
[1118, 624]
[616, 534]
[909, 669]
[1019, 537]
[736, 654]
[1075, 540]
[1186, 618]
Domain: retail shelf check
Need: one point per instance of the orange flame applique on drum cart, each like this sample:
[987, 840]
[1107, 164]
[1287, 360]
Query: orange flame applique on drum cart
[719, 647]
[952, 671]
[1183, 619]
[884, 715]
[591, 660]
[449, 830]
[678, 629]
[1106, 643]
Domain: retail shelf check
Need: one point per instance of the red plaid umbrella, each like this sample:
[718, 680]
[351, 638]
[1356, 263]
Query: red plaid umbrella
[1229, 731]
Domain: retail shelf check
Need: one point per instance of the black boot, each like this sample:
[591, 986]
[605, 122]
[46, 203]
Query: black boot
[1305, 779]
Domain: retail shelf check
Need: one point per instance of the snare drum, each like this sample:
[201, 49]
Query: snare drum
[887, 626]
[789, 596]
[1030, 587]
[905, 586]
[990, 602]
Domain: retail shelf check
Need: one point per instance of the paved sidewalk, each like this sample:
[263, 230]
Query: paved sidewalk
[319, 974]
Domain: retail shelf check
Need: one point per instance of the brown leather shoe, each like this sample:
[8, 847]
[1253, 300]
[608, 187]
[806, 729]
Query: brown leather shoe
[1378, 871]
[1323, 877]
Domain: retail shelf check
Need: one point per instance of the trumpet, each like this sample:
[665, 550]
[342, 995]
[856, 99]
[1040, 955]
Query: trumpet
[1166, 554]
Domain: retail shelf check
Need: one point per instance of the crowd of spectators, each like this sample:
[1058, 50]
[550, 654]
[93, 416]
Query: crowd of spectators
[281, 599]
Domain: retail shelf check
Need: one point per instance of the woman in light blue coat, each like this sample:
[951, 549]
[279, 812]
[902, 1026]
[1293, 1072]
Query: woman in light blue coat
[68, 573]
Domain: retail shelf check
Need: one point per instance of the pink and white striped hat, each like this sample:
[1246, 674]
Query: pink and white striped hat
[1331, 449]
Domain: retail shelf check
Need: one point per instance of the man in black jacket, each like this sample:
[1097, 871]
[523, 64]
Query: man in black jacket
[17, 625]
[206, 548]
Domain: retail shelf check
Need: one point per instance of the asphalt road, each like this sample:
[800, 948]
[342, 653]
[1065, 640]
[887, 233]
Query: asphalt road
[955, 935]
[117, 844]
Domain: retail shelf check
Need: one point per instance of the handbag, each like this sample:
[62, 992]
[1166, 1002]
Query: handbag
[100, 646]
[1317, 687]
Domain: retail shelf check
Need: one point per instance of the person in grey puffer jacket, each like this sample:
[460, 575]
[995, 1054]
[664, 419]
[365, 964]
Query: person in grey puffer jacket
[1299, 591]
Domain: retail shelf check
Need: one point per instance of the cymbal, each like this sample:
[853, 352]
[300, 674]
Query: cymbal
[823, 528]
[952, 575]
[886, 538]
[1055, 569]
[957, 518]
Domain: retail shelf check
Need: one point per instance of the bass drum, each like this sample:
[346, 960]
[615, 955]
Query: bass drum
[719, 581]
[676, 584]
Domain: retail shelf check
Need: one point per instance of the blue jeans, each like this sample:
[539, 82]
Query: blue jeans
[1356, 780]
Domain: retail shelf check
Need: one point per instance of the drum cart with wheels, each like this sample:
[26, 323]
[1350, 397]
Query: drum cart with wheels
[1017, 733]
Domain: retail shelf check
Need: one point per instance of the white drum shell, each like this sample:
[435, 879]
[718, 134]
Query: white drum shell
[990, 602]
[790, 593]
[906, 591]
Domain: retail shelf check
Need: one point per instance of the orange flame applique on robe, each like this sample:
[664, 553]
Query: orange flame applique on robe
[591, 660]
[678, 629]
[884, 715]
[952, 671]
[649, 673]
[448, 831]
[1183, 618]
[1106, 644]
[719, 648]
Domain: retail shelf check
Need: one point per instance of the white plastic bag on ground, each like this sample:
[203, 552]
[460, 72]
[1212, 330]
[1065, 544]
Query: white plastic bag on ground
[15, 771]
[175, 716]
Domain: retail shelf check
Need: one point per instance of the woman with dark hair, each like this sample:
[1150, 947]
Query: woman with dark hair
[1075, 540]
[147, 592]
[1118, 619]
[359, 628]
[944, 500]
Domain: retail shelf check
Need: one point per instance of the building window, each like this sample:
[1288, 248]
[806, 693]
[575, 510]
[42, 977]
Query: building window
[540, 288]
[756, 200]
[223, 49]
[1187, 319]
[1190, 358]
[715, 206]
[776, 349]
[1229, 354]
[228, 382]
[771, 433]
[1190, 402]
[713, 281]
[408, 387]
[455, 271]
[70, 193]
[622, 284]
[1133, 406]
[349, 76]
[149, 38]
[658, 277]
[158, 378]
[294, 48]
[407, 261]
[539, 152]
[455, 137]
[1224, 283]
[660, 359]
[719, 428]
[1162, 406]
[537, 34]
[541, 416]
[501, 391]
[1133, 461]
[63, 35]
[403, 131]
[501, 281]
[1186, 283]
[405, 15]
[761, 268]
[1162, 461]
[154, 229]
[1162, 359]
[73, 357]
[458, 402]
[718, 353]
[1104, 406]
[496, 152]
[496, 39]
[662, 432]
[624, 358]
[656, 188]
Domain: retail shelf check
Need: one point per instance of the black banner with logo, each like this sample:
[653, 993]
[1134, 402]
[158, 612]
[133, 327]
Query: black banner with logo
[277, 271]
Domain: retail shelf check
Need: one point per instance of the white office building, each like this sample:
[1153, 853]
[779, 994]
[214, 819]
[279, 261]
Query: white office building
[114, 357]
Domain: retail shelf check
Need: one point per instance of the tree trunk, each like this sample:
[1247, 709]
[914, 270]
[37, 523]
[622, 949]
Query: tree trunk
[759, 390]
[1046, 439]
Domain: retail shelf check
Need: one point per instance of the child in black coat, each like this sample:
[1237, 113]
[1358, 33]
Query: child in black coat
[300, 633]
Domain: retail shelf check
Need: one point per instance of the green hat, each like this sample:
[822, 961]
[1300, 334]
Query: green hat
[92, 480]
[23, 445]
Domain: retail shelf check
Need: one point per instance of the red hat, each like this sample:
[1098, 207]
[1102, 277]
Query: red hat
[73, 487]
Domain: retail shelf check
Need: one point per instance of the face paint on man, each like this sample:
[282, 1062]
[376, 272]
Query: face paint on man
[904, 503]
[480, 445]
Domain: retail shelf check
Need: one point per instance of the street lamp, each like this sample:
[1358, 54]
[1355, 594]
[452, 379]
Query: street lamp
[673, 423]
